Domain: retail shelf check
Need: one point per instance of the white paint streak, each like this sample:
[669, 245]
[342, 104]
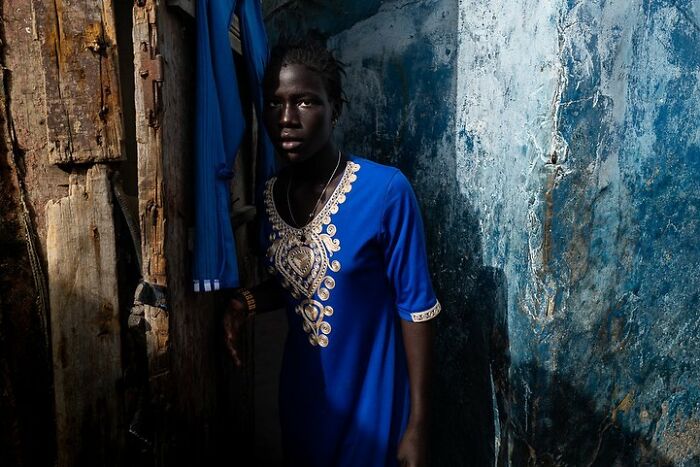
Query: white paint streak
[510, 79]
[516, 61]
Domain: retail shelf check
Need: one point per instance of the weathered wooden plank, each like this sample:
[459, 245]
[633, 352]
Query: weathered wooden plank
[26, 403]
[85, 329]
[80, 67]
[22, 65]
[149, 139]
[148, 78]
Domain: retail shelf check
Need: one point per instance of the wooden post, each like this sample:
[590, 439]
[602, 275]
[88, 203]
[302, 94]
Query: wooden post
[85, 330]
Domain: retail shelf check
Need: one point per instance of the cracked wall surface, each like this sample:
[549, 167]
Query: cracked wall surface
[578, 138]
[554, 148]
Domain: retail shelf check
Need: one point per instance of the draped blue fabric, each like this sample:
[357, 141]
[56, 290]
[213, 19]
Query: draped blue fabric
[219, 129]
[256, 53]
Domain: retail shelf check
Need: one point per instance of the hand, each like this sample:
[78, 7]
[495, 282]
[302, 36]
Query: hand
[234, 318]
[413, 448]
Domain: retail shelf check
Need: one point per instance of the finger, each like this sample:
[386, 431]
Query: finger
[234, 353]
[236, 358]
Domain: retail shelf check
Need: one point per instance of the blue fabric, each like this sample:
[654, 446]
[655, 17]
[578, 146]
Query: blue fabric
[219, 129]
[347, 404]
[256, 53]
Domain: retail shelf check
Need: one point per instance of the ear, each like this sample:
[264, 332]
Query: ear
[336, 114]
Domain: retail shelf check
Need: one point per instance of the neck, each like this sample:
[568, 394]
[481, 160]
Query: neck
[318, 167]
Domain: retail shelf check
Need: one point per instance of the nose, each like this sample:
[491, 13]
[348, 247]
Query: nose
[289, 115]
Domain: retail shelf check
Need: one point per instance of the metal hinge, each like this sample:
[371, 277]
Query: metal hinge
[151, 68]
[151, 71]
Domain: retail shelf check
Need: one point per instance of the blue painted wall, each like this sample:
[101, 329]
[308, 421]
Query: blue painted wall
[555, 149]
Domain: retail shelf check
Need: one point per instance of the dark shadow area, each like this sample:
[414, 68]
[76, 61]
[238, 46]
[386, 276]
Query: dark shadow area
[26, 394]
[124, 24]
[298, 399]
[471, 391]
[27, 429]
[564, 427]
[270, 332]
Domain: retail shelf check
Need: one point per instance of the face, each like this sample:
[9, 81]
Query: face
[298, 114]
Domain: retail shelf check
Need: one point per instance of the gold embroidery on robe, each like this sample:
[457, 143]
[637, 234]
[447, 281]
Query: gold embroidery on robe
[301, 256]
[430, 313]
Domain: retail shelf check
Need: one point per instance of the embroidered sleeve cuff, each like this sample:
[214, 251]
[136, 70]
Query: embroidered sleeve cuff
[428, 314]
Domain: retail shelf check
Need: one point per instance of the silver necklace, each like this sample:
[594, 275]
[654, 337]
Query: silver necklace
[311, 214]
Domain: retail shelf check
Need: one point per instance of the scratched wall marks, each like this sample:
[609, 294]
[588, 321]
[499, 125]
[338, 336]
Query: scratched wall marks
[582, 161]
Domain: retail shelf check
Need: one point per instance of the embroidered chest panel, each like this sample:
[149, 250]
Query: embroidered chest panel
[303, 257]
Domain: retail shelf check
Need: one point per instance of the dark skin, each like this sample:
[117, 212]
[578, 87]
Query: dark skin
[300, 118]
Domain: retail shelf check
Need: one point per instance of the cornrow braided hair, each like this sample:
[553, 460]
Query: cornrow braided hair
[315, 56]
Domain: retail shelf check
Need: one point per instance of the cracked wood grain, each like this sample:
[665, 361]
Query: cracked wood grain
[85, 328]
[80, 68]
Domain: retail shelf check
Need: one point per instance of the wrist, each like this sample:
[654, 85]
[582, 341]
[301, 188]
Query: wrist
[418, 421]
[247, 299]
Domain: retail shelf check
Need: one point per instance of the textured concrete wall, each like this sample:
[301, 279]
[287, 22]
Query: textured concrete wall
[578, 146]
[555, 150]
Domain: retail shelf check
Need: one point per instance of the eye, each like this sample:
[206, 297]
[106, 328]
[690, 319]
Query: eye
[305, 103]
[273, 104]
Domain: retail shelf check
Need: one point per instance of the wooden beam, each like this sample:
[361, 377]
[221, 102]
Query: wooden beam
[85, 329]
[149, 76]
[80, 68]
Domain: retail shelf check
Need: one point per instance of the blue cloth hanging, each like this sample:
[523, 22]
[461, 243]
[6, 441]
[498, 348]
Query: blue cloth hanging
[219, 128]
[256, 54]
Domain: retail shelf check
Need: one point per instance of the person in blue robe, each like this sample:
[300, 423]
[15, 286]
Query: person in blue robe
[347, 257]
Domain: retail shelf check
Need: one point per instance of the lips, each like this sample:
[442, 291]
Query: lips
[289, 143]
